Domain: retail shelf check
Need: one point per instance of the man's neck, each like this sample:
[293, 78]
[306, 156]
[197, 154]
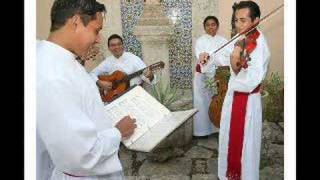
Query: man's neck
[118, 56]
[60, 38]
[212, 35]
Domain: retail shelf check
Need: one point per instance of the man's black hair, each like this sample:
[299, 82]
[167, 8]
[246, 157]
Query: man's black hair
[114, 36]
[62, 10]
[210, 17]
[252, 6]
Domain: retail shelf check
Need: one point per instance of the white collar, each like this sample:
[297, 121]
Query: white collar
[122, 57]
[59, 49]
[210, 35]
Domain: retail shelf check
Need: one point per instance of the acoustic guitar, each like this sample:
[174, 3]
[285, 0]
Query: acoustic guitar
[121, 81]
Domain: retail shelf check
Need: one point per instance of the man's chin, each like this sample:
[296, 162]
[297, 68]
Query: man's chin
[118, 54]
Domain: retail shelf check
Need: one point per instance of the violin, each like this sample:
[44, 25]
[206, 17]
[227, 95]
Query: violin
[247, 44]
[121, 81]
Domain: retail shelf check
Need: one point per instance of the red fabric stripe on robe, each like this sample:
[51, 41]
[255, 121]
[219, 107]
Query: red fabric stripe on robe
[236, 133]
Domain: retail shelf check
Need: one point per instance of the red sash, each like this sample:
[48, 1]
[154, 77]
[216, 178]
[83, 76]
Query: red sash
[236, 135]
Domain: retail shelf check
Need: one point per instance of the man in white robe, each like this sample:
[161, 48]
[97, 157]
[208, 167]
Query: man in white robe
[205, 44]
[241, 118]
[122, 61]
[75, 138]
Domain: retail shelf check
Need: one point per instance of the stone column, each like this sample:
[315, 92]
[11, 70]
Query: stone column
[154, 31]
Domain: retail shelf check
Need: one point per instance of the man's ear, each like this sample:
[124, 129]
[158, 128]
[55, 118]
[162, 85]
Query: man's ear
[256, 20]
[75, 20]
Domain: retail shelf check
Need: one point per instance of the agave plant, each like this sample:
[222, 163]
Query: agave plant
[211, 85]
[222, 75]
[165, 94]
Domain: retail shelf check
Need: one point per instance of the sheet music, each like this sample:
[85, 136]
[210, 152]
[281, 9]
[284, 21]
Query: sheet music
[139, 105]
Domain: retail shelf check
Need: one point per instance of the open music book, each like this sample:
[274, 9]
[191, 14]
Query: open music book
[154, 121]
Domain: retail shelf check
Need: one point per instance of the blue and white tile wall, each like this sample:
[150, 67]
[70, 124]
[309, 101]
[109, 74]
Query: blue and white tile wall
[180, 48]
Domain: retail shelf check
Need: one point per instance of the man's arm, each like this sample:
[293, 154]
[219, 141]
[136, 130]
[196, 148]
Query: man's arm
[221, 58]
[103, 67]
[199, 48]
[71, 137]
[235, 60]
[148, 75]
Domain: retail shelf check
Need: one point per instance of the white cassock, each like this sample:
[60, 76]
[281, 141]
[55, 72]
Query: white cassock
[73, 129]
[245, 81]
[127, 63]
[202, 125]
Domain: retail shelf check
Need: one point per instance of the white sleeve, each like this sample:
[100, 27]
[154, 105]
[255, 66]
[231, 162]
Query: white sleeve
[71, 138]
[103, 67]
[222, 57]
[199, 48]
[139, 64]
[247, 80]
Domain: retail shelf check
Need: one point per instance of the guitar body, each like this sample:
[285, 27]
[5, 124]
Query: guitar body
[120, 84]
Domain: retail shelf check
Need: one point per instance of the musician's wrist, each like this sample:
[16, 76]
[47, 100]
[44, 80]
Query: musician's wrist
[151, 77]
[98, 83]
[238, 49]
[235, 64]
[235, 69]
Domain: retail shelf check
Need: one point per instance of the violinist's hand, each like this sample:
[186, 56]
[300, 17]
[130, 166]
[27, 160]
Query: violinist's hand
[203, 57]
[105, 85]
[235, 59]
[236, 52]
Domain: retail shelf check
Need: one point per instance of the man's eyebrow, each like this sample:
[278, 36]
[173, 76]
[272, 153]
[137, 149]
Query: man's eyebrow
[242, 18]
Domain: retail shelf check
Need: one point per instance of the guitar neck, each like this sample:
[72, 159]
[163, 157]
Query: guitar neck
[137, 73]
[154, 66]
